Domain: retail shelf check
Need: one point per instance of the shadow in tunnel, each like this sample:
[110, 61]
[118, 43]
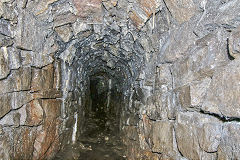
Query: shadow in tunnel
[101, 139]
[101, 135]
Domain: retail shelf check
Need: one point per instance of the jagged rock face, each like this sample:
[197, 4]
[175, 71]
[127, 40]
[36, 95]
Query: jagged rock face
[175, 64]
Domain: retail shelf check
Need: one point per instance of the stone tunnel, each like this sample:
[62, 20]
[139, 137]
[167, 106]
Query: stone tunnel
[120, 79]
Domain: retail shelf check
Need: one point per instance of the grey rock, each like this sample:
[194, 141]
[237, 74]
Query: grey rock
[222, 96]
[4, 64]
[229, 146]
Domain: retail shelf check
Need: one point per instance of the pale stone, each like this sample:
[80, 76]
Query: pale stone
[42, 6]
[42, 79]
[64, 32]
[163, 78]
[233, 43]
[178, 42]
[15, 118]
[57, 75]
[4, 148]
[181, 10]
[191, 131]
[69, 54]
[64, 18]
[162, 137]
[18, 99]
[208, 53]
[229, 147]
[142, 10]
[18, 80]
[210, 137]
[79, 26]
[5, 28]
[198, 91]
[4, 65]
[184, 97]
[223, 93]
[14, 58]
[5, 104]
[89, 11]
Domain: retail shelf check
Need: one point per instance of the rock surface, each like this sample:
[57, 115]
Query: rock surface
[166, 71]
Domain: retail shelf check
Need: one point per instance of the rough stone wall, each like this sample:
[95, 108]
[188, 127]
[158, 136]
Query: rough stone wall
[191, 106]
[175, 62]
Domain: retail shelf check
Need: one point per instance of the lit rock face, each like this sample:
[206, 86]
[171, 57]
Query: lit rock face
[176, 64]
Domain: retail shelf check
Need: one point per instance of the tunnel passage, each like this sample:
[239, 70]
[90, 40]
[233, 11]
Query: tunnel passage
[97, 77]
[100, 136]
[99, 92]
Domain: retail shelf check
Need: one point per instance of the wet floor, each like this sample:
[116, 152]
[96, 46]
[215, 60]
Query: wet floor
[101, 141]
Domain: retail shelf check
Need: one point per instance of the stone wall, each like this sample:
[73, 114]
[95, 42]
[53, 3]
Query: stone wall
[175, 64]
[191, 106]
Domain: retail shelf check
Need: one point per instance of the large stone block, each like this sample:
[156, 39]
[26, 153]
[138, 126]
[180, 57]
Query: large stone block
[34, 113]
[191, 134]
[210, 137]
[89, 10]
[163, 78]
[229, 147]
[18, 99]
[47, 94]
[4, 65]
[23, 142]
[233, 43]
[64, 18]
[5, 104]
[208, 53]
[183, 10]
[9, 59]
[223, 93]
[5, 28]
[64, 32]
[34, 38]
[52, 109]
[163, 106]
[228, 14]
[42, 79]
[42, 6]
[141, 11]
[18, 80]
[198, 91]
[47, 142]
[14, 118]
[177, 43]
[23, 110]
[194, 94]
[13, 58]
[162, 137]
[5, 148]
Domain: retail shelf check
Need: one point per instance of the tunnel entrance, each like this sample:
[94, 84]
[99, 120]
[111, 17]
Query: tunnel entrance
[101, 137]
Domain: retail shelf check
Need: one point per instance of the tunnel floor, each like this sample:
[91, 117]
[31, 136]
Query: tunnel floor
[100, 141]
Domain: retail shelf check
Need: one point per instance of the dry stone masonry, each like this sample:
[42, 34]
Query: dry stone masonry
[173, 68]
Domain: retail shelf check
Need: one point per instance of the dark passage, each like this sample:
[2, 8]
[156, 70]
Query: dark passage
[101, 138]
